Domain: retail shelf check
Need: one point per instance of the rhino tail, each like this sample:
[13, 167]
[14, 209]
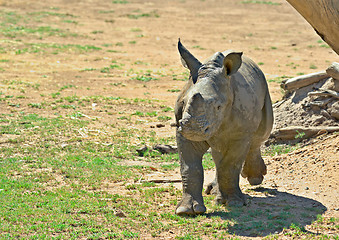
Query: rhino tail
[266, 123]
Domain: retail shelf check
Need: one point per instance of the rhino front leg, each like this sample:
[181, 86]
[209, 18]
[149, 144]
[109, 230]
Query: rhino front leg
[190, 154]
[228, 167]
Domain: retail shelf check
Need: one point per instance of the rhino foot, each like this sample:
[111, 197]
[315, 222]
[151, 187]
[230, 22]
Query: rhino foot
[255, 180]
[254, 169]
[190, 206]
[212, 188]
[235, 199]
[232, 200]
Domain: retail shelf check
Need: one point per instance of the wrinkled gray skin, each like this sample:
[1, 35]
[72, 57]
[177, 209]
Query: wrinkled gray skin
[224, 106]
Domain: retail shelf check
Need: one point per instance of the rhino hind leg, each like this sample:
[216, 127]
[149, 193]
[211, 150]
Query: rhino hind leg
[236, 198]
[228, 167]
[254, 168]
[212, 187]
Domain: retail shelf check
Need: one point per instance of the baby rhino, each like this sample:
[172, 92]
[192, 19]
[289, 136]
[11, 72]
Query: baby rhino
[224, 106]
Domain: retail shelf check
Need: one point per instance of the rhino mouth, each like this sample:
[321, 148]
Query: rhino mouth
[195, 128]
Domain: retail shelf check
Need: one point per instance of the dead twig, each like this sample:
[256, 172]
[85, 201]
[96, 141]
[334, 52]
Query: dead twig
[162, 180]
[324, 93]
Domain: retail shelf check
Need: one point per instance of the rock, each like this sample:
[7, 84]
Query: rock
[119, 213]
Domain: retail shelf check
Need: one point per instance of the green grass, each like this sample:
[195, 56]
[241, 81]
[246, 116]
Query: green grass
[260, 2]
[144, 77]
[50, 48]
[136, 30]
[312, 66]
[63, 177]
[35, 24]
[278, 149]
[43, 14]
[152, 14]
[120, 2]
[323, 44]
[14, 31]
[199, 47]
[279, 79]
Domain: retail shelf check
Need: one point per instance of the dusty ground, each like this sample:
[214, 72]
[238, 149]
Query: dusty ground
[273, 35]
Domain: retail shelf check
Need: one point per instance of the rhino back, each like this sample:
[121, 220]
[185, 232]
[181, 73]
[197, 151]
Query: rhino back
[249, 88]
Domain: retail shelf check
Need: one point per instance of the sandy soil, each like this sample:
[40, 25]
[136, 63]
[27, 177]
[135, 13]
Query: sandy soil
[275, 36]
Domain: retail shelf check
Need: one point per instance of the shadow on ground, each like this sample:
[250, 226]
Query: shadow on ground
[269, 211]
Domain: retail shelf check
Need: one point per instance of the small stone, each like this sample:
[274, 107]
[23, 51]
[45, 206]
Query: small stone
[306, 188]
[119, 213]
[160, 125]
[64, 145]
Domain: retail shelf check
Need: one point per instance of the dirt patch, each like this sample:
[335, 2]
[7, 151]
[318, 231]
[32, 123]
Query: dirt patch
[309, 171]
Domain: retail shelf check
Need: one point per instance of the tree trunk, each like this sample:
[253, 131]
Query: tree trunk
[323, 15]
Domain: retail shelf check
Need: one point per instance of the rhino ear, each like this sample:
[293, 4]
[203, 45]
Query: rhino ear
[189, 61]
[232, 62]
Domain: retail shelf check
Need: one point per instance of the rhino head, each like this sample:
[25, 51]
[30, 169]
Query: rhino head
[207, 97]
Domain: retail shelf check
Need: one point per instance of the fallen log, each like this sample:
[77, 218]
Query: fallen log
[304, 80]
[294, 132]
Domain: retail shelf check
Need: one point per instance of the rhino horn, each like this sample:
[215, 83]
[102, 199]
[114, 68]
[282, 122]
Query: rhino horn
[189, 61]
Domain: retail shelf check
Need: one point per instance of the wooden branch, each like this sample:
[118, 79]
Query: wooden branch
[333, 70]
[290, 133]
[162, 180]
[304, 80]
[323, 16]
[325, 93]
[165, 149]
